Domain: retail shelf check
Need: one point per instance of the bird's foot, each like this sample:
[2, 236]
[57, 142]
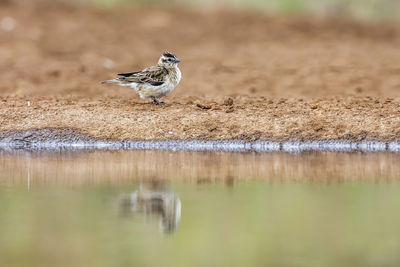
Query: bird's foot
[160, 103]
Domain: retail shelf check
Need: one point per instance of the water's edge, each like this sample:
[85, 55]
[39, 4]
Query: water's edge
[70, 139]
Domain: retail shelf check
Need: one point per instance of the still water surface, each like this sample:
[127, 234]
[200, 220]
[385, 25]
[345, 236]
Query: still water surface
[160, 208]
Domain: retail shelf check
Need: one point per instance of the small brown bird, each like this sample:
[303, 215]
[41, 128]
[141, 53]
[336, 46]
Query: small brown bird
[153, 82]
[155, 199]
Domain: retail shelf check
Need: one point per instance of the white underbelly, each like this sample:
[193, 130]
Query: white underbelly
[149, 91]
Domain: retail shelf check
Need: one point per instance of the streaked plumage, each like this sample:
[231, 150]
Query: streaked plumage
[153, 82]
[156, 200]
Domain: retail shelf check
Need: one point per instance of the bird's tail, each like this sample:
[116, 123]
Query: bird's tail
[111, 81]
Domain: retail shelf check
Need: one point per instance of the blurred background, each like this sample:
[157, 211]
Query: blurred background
[276, 48]
[362, 9]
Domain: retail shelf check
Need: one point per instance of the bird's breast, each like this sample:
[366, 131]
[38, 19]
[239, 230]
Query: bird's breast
[175, 76]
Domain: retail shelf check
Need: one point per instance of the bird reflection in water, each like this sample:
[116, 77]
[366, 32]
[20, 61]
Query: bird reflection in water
[155, 199]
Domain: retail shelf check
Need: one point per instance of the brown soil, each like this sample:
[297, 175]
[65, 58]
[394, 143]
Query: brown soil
[245, 75]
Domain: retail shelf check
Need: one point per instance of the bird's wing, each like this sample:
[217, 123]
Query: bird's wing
[155, 75]
[128, 73]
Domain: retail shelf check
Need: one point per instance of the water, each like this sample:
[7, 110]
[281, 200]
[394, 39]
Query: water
[33, 140]
[162, 208]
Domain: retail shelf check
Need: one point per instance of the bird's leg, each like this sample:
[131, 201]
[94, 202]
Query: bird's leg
[155, 101]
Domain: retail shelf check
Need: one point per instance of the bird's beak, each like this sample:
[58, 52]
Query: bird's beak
[177, 60]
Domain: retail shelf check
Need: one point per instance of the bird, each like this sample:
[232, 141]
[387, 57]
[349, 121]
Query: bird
[153, 198]
[153, 82]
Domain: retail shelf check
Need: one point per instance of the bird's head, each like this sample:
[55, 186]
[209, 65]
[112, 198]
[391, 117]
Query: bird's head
[168, 60]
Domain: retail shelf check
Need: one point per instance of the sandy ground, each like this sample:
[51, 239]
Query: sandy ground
[247, 118]
[245, 75]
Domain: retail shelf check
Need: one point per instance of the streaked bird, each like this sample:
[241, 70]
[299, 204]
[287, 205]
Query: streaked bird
[154, 199]
[153, 82]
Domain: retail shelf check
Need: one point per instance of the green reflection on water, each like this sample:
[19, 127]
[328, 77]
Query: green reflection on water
[248, 224]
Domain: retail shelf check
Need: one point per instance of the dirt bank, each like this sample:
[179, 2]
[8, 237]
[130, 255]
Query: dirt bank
[245, 75]
[244, 118]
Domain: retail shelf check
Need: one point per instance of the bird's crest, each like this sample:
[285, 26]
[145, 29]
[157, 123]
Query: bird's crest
[169, 54]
